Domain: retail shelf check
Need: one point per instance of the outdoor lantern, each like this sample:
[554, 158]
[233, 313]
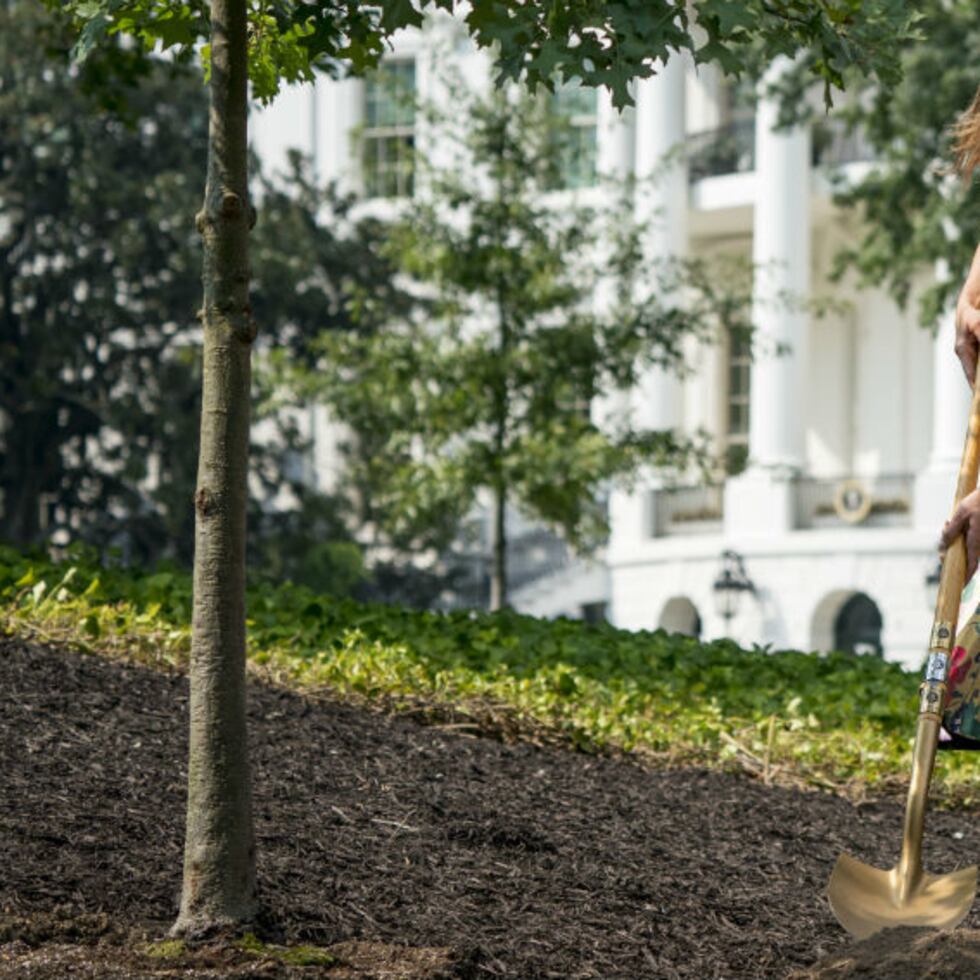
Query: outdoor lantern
[732, 581]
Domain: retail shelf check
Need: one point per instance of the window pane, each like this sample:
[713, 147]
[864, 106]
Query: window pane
[574, 106]
[738, 419]
[389, 95]
[389, 114]
[739, 382]
[573, 99]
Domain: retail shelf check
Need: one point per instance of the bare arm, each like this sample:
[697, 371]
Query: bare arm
[968, 320]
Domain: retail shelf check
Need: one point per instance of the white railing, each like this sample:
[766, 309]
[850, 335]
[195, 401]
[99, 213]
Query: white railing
[688, 510]
[887, 501]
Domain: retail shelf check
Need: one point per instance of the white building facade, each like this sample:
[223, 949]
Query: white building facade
[849, 424]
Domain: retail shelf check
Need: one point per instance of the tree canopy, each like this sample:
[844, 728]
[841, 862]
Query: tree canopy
[97, 292]
[600, 43]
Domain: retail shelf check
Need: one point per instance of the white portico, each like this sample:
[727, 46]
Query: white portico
[860, 398]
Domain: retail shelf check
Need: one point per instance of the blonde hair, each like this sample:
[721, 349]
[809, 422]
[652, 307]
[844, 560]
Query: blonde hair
[966, 139]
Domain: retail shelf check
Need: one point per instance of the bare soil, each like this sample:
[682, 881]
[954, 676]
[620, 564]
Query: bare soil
[421, 852]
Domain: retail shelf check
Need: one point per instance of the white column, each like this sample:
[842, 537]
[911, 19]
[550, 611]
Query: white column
[950, 391]
[950, 411]
[781, 257]
[336, 113]
[615, 139]
[950, 399]
[661, 203]
[615, 142]
[282, 126]
[340, 107]
[761, 501]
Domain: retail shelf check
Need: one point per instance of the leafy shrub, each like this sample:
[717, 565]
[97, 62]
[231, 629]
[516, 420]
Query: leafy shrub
[834, 720]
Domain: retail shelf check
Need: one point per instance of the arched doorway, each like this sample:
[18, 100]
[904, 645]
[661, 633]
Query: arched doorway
[680, 615]
[857, 627]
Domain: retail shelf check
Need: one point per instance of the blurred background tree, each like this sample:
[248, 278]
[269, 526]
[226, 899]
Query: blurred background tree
[493, 388]
[99, 277]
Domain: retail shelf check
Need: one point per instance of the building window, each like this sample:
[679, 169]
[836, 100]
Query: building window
[574, 106]
[389, 130]
[739, 378]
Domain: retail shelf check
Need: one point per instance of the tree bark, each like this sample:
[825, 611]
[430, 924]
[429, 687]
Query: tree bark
[22, 479]
[498, 572]
[219, 856]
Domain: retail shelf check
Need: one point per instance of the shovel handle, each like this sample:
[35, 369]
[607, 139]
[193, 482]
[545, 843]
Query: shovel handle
[953, 575]
[932, 693]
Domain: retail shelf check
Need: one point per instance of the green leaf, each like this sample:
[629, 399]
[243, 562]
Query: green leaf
[396, 14]
[92, 34]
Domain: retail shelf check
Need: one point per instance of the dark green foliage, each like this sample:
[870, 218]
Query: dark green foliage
[841, 688]
[599, 42]
[308, 544]
[318, 267]
[99, 283]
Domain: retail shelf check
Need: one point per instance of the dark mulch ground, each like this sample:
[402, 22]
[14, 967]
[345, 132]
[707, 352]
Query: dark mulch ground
[499, 860]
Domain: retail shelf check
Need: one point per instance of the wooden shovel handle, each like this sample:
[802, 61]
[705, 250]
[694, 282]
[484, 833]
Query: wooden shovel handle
[932, 692]
[953, 576]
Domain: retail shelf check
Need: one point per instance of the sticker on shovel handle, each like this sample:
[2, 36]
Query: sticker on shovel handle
[936, 667]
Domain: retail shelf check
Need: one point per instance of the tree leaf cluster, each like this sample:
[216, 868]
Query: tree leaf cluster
[98, 285]
[600, 43]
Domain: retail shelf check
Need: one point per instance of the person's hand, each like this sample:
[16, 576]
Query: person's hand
[965, 521]
[968, 320]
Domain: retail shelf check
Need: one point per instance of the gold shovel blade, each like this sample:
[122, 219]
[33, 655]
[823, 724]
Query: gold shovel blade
[866, 899]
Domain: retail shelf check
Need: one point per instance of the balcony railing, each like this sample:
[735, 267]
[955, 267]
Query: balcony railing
[688, 510]
[833, 144]
[730, 149]
[887, 501]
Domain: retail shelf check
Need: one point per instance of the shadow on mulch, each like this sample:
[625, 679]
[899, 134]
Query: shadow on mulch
[903, 954]
[498, 860]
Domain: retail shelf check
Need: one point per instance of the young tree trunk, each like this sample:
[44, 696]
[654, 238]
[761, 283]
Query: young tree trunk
[22, 481]
[498, 569]
[219, 855]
